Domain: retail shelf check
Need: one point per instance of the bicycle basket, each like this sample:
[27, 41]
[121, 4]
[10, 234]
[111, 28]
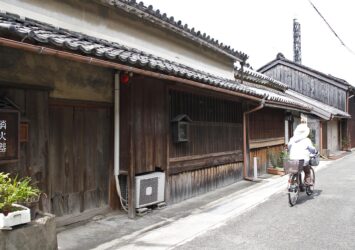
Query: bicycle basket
[314, 160]
[291, 166]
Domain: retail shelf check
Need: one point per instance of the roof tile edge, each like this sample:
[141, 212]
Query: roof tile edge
[155, 16]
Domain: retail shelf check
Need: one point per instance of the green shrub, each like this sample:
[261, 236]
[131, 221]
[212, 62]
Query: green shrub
[14, 190]
[277, 159]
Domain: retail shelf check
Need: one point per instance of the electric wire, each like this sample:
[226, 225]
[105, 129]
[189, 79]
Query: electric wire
[330, 27]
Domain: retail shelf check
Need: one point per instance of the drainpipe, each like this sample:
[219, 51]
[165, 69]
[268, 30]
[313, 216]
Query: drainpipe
[117, 138]
[246, 138]
[347, 103]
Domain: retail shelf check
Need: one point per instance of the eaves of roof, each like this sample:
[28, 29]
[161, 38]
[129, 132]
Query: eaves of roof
[272, 94]
[319, 109]
[340, 83]
[44, 34]
[259, 78]
[163, 21]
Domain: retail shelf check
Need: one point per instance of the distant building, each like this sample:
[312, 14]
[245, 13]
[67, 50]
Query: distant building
[326, 94]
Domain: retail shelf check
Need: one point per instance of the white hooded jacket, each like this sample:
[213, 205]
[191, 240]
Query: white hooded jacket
[300, 146]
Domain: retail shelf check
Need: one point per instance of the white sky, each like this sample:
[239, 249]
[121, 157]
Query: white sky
[262, 28]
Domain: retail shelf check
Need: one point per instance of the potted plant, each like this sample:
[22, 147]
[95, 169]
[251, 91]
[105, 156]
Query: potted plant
[276, 160]
[12, 192]
[345, 143]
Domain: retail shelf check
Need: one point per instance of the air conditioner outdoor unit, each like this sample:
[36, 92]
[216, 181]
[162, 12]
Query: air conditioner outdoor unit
[150, 189]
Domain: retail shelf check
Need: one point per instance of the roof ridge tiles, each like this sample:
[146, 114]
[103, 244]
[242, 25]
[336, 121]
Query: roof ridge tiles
[132, 6]
[260, 78]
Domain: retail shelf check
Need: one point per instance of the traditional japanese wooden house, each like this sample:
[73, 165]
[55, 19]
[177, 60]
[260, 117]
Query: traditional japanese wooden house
[325, 93]
[269, 126]
[111, 90]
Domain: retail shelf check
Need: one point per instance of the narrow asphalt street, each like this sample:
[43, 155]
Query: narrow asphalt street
[324, 221]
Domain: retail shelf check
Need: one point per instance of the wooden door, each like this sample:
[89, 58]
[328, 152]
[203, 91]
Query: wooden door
[79, 156]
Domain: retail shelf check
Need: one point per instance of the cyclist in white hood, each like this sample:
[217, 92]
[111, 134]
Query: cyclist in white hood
[300, 147]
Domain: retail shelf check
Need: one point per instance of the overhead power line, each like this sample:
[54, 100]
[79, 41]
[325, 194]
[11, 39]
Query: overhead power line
[330, 27]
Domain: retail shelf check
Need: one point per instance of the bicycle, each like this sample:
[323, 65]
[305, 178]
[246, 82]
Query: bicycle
[295, 184]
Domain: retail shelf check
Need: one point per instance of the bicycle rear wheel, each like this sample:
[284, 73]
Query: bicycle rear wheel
[310, 188]
[293, 189]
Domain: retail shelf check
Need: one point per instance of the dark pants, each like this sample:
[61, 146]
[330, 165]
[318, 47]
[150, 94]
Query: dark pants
[307, 173]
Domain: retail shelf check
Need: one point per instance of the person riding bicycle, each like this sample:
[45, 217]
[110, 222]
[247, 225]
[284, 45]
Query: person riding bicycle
[300, 147]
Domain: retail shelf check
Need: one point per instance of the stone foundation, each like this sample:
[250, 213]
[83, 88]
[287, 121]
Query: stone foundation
[38, 234]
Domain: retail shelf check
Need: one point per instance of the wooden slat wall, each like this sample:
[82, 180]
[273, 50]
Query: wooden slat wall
[34, 153]
[216, 124]
[212, 157]
[208, 137]
[352, 121]
[80, 154]
[193, 183]
[263, 157]
[216, 128]
[144, 114]
[267, 123]
[310, 86]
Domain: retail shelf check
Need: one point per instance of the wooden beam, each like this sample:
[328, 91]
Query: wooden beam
[266, 142]
[204, 156]
[191, 163]
[78, 103]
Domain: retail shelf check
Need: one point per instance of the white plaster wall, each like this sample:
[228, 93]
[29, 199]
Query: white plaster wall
[99, 21]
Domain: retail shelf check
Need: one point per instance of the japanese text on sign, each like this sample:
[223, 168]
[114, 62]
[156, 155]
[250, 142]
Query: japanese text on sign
[2, 136]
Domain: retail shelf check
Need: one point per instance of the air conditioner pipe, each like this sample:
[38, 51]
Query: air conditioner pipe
[117, 138]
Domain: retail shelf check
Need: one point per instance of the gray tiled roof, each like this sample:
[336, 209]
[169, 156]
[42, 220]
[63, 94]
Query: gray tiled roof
[259, 78]
[265, 82]
[31, 30]
[319, 108]
[154, 16]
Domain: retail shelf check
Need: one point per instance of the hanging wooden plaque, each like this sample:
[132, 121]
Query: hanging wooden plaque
[9, 135]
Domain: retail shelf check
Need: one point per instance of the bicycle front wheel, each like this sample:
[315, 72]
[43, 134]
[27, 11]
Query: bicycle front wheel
[310, 188]
[293, 189]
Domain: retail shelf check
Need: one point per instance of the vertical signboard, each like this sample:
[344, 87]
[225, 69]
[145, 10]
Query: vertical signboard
[9, 135]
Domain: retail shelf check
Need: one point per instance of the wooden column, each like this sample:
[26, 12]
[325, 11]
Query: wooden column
[167, 131]
[131, 169]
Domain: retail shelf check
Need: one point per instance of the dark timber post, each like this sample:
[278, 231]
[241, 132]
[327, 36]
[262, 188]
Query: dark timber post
[132, 164]
[297, 58]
